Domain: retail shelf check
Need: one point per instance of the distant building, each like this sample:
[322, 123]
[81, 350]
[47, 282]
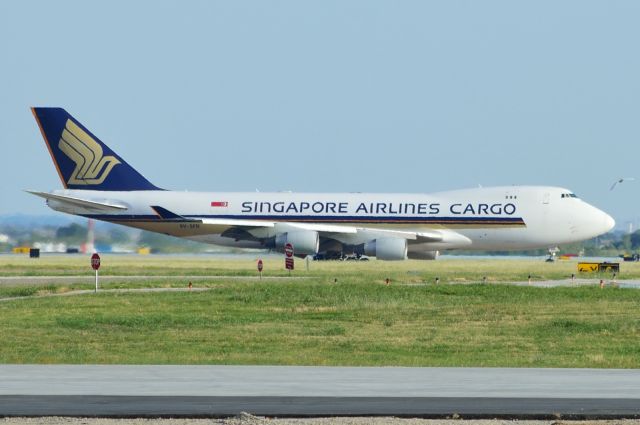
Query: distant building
[50, 246]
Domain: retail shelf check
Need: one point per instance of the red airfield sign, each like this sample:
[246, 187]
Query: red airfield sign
[288, 250]
[288, 256]
[288, 263]
[95, 261]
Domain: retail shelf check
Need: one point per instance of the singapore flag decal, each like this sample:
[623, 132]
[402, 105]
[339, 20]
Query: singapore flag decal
[223, 204]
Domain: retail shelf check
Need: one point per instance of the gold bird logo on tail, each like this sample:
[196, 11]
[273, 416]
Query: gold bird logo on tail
[92, 167]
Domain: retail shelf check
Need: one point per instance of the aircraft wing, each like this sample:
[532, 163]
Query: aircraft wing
[424, 236]
[342, 233]
[325, 230]
[231, 222]
[106, 206]
[249, 229]
[253, 229]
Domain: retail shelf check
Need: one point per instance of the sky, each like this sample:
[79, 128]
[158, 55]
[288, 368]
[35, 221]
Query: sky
[331, 96]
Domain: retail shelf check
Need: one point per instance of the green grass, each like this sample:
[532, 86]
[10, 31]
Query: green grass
[356, 321]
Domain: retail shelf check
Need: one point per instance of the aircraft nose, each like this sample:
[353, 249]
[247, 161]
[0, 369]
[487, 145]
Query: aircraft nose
[595, 222]
[602, 221]
[609, 222]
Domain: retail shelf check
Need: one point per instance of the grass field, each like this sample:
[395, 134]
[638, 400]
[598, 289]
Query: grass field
[341, 314]
[451, 269]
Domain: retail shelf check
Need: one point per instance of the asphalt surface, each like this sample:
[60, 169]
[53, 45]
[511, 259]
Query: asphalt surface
[220, 391]
[194, 407]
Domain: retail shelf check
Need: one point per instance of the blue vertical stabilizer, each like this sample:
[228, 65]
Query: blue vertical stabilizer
[82, 160]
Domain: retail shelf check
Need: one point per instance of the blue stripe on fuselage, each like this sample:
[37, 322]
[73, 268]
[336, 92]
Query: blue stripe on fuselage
[326, 219]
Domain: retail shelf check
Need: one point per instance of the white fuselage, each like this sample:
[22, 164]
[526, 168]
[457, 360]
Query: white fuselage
[496, 218]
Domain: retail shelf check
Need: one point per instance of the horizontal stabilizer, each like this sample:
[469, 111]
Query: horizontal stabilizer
[79, 202]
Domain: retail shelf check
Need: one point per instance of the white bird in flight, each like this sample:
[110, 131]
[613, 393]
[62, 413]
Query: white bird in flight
[620, 180]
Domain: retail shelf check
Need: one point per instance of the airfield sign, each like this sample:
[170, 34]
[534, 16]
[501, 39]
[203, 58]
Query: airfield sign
[288, 263]
[95, 261]
[288, 256]
[260, 267]
[95, 265]
[288, 250]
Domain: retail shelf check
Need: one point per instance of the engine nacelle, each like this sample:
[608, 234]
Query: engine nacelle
[303, 241]
[389, 249]
[423, 255]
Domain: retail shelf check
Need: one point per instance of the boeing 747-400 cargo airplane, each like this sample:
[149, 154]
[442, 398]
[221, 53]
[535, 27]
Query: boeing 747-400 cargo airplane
[99, 184]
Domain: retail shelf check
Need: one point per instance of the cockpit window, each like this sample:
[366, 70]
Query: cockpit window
[568, 195]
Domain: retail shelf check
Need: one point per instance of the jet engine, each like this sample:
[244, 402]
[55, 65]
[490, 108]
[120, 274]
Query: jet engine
[389, 249]
[303, 241]
[423, 255]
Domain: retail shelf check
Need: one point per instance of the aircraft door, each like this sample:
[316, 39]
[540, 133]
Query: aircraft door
[545, 198]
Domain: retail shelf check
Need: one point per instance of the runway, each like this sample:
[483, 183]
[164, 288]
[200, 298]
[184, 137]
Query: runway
[219, 391]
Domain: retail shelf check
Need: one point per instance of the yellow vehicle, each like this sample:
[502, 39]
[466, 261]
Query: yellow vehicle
[599, 267]
[588, 267]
